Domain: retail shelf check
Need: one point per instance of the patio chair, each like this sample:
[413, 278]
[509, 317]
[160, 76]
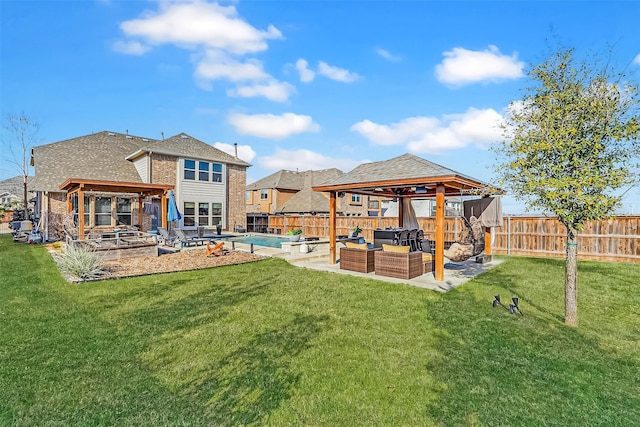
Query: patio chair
[413, 240]
[217, 249]
[357, 257]
[188, 241]
[399, 262]
[165, 238]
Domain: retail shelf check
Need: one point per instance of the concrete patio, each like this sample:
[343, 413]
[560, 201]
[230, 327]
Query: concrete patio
[455, 274]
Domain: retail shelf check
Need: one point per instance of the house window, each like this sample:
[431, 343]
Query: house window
[264, 194]
[87, 210]
[203, 214]
[123, 211]
[103, 211]
[217, 172]
[189, 215]
[216, 213]
[74, 208]
[247, 196]
[203, 171]
[355, 199]
[190, 169]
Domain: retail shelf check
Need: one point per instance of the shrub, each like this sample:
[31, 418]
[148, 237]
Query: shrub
[80, 262]
[294, 232]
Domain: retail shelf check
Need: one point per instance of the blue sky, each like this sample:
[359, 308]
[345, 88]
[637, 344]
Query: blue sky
[296, 84]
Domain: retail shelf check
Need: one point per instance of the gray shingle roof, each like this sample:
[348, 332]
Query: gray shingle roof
[406, 166]
[99, 156]
[306, 200]
[293, 180]
[183, 145]
[103, 156]
[14, 185]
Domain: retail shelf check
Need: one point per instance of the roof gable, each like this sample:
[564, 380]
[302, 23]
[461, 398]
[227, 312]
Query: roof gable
[183, 145]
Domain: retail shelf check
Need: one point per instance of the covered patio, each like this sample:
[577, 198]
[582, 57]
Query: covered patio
[403, 178]
[80, 187]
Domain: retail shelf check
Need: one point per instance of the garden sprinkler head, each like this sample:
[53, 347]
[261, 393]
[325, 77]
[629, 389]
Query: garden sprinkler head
[496, 300]
[515, 306]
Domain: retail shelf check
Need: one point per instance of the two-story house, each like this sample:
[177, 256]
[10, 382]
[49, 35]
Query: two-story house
[208, 183]
[289, 192]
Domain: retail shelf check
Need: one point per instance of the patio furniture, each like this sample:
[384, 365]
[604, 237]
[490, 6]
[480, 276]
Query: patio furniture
[399, 262]
[357, 257]
[184, 240]
[216, 250]
[165, 238]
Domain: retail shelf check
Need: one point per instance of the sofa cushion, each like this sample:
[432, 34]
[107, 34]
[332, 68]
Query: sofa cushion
[353, 245]
[397, 249]
[427, 257]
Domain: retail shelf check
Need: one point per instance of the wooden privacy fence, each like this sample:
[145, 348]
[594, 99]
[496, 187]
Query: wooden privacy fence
[616, 239]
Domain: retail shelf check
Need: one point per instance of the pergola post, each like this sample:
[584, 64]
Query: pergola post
[80, 212]
[487, 240]
[332, 227]
[439, 267]
[163, 206]
[400, 212]
[140, 198]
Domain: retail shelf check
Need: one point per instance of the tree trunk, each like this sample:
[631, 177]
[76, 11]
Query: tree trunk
[570, 280]
[25, 194]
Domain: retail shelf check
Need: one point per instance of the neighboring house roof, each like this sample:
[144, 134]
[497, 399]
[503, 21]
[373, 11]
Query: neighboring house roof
[183, 145]
[14, 185]
[306, 200]
[293, 180]
[104, 156]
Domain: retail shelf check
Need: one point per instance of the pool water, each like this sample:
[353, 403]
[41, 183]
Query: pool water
[268, 241]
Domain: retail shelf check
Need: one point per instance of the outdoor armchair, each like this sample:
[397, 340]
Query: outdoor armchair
[357, 257]
[399, 262]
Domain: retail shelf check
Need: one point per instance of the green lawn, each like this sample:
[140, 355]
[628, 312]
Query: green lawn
[267, 343]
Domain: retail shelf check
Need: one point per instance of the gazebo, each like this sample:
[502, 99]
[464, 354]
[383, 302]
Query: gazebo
[406, 176]
[82, 186]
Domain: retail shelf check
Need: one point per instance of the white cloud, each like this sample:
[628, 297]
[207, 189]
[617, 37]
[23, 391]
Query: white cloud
[395, 133]
[130, 47]
[336, 73]
[272, 126]
[388, 55]
[637, 59]
[219, 38]
[273, 90]
[306, 74]
[198, 23]
[245, 152]
[305, 160]
[217, 65]
[432, 135]
[462, 66]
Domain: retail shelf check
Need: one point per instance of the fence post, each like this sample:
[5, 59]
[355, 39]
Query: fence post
[509, 235]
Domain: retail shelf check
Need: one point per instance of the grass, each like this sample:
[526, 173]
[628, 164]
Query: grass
[267, 343]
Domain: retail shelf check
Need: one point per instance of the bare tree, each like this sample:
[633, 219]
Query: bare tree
[22, 134]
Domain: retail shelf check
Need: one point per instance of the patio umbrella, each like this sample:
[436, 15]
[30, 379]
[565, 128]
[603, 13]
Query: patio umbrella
[173, 214]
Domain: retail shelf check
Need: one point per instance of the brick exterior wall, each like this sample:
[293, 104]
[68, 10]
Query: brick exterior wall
[57, 208]
[163, 169]
[236, 203]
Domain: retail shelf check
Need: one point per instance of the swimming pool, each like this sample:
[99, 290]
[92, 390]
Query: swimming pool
[268, 241]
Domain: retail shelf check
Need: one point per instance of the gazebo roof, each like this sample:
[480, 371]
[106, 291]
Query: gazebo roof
[406, 176]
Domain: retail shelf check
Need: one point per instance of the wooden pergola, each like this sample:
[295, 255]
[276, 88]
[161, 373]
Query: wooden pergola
[406, 176]
[81, 186]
